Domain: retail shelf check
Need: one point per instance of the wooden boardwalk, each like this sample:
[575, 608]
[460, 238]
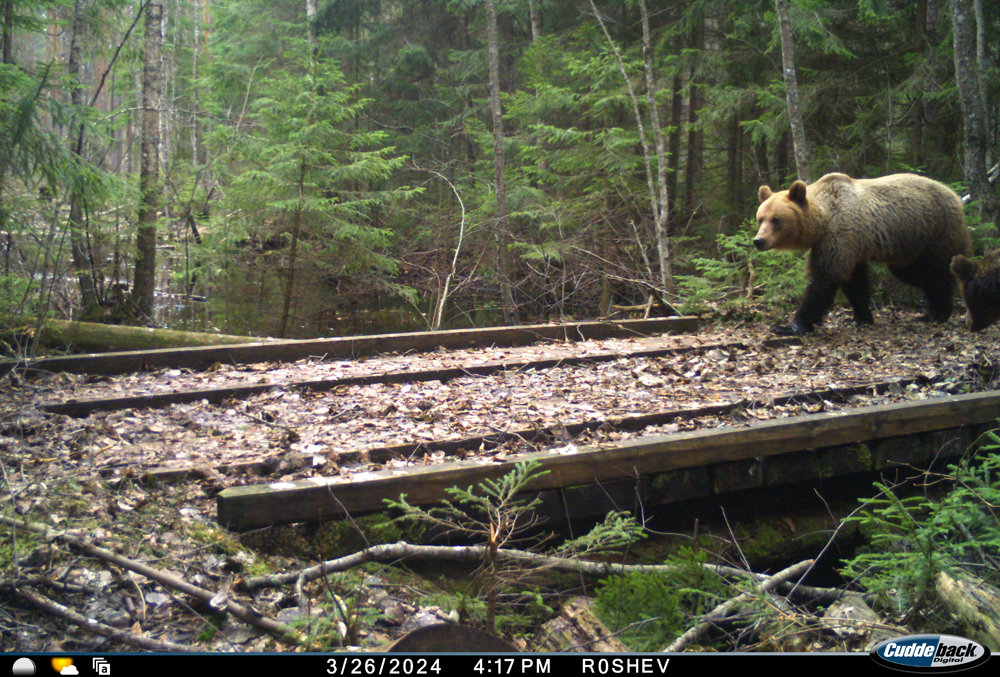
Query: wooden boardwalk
[663, 469]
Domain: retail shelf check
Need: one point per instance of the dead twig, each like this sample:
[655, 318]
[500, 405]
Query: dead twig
[90, 625]
[280, 631]
[402, 550]
[726, 608]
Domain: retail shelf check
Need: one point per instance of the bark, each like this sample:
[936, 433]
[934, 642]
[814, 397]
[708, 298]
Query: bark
[8, 31]
[310, 21]
[917, 111]
[535, 15]
[976, 136]
[975, 604]
[293, 255]
[149, 171]
[982, 64]
[795, 118]
[577, 626]
[734, 174]
[676, 111]
[662, 244]
[503, 235]
[197, 154]
[693, 170]
[92, 337]
[78, 235]
[168, 93]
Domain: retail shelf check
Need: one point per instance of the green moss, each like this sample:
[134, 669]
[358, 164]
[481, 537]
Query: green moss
[864, 454]
[221, 541]
[281, 540]
[336, 539]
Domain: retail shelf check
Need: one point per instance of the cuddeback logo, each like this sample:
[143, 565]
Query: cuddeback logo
[930, 653]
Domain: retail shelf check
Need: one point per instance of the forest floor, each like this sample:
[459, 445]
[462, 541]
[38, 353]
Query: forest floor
[80, 476]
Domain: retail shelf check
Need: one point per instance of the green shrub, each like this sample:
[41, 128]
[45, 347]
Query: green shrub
[741, 274]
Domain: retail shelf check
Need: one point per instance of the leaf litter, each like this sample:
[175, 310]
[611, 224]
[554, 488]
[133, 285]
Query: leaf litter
[290, 433]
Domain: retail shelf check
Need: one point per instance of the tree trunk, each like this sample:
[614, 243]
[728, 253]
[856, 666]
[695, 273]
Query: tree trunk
[8, 31]
[974, 604]
[792, 92]
[535, 16]
[692, 173]
[504, 239]
[78, 236]
[676, 111]
[197, 154]
[92, 337]
[917, 110]
[310, 20]
[654, 203]
[149, 171]
[293, 254]
[662, 244]
[734, 174]
[983, 64]
[973, 116]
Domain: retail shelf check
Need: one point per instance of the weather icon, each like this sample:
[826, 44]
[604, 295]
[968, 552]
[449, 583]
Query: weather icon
[61, 664]
[23, 667]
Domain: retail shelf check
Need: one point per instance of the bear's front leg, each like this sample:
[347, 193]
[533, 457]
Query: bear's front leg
[817, 302]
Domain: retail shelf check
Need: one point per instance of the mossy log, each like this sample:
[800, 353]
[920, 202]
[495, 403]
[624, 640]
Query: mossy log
[93, 337]
[975, 604]
[577, 629]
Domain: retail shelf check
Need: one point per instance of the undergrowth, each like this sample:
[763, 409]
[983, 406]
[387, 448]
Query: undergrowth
[741, 276]
[647, 610]
[953, 528]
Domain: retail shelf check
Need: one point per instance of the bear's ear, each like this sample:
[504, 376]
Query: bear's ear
[963, 268]
[797, 193]
[764, 192]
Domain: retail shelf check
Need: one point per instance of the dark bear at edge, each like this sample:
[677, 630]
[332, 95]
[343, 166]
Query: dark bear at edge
[911, 224]
[979, 283]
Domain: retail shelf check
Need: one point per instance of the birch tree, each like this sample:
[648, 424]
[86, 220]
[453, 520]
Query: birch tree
[658, 201]
[795, 118]
[662, 244]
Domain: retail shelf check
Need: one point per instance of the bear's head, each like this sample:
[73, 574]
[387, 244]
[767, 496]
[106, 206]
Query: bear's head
[980, 287]
[781, 218]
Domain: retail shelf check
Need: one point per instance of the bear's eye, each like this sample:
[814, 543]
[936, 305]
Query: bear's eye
[776, 223]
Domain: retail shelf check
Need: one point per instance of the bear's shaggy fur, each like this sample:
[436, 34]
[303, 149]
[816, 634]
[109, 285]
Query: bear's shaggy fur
[912, 224]
[979, 283]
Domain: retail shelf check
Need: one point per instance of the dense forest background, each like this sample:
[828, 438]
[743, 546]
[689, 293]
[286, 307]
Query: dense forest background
[320, 167]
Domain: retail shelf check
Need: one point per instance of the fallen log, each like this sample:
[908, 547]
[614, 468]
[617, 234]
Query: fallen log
[348, 347]
[975, 604]
[93, 337]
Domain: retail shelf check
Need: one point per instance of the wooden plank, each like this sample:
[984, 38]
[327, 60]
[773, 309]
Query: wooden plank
[262, 505]
[83, 408]
[350, 346]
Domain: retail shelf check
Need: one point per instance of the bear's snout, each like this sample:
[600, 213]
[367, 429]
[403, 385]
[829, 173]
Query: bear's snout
[761, 244]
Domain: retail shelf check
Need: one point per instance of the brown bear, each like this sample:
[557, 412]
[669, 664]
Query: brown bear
[912, 224]
[980, 287]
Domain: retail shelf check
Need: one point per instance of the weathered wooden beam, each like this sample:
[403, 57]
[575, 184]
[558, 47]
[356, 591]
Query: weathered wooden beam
[350, 346]
[316, 499]
[83, 408]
